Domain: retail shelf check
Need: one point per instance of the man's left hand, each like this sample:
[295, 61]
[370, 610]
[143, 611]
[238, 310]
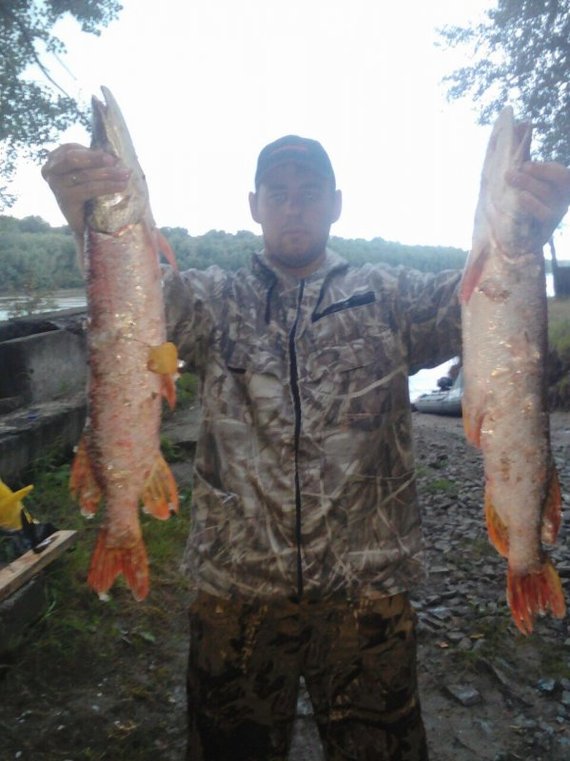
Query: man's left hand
[544, 190]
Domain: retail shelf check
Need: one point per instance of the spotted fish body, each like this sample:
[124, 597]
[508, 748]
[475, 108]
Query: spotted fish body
[504, 316]
[131, 367]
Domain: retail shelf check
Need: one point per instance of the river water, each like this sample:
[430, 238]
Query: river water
[420, 383]
[55, 302]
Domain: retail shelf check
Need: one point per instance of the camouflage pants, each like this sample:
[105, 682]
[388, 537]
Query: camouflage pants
[358, 660]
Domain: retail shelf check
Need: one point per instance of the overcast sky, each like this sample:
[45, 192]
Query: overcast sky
[205, 84]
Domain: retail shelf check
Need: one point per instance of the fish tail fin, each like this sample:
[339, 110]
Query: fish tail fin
[552, 514]
[534, 593]
[109, 562]
[160, 496]
[82, 483]
[163, 359]
[496, 528]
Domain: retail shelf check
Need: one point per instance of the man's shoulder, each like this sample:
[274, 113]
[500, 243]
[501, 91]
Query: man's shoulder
[375, 274]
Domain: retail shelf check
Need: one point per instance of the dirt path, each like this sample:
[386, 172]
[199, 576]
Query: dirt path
[488, 693]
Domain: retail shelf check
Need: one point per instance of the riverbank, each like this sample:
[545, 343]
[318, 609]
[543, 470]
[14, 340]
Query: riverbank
[19, 304]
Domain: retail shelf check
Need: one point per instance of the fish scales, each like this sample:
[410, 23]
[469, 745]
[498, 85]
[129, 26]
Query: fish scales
[131, 367]
[504, 316]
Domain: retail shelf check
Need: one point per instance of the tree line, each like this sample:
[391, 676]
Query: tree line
[37, 257]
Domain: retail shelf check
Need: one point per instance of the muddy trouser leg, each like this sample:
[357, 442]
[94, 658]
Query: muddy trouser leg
[243, 676]
[361, 674]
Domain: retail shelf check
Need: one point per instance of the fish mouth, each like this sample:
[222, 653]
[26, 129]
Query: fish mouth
[99, 124]
[108, 129]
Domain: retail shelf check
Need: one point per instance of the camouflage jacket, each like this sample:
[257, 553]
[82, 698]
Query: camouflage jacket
[304, 469]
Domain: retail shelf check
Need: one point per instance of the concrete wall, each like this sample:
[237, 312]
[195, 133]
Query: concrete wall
[43, 377]
[43, 367]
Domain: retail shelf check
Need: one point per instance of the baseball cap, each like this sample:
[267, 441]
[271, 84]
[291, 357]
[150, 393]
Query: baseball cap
[301, 150]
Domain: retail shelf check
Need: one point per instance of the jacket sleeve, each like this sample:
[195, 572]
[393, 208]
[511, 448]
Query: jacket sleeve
[431, 316]
[189, 298]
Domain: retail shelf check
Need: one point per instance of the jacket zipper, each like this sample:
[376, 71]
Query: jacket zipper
[297, 436]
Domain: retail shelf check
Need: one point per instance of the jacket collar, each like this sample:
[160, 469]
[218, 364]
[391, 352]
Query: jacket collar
[269, 274]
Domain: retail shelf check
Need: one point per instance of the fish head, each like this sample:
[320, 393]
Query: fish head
[110, 213]
[511, 227]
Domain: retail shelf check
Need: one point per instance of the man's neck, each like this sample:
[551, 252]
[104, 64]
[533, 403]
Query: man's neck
[298, 272]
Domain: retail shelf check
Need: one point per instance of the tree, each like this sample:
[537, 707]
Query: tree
[521, 55]
[31, 113]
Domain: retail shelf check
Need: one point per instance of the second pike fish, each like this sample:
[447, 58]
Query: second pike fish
[504, 314]
[131, 366]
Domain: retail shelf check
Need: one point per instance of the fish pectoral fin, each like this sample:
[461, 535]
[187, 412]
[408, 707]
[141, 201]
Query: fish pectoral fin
[472, 272]
[168, 390]
[109, 562]
[165, 249]
[163, 360]
[535, 593]
[82, 483]
[472, 424]
[160, 496]
[552, 513]
[496, 528]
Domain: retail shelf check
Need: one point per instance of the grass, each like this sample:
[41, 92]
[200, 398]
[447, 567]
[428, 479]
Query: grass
[83, 651]
[73, 608]
[442, 485]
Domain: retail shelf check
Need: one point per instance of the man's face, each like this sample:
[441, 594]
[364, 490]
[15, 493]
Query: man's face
[295, 208]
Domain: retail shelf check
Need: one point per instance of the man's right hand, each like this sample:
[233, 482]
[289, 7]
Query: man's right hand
[76, 174]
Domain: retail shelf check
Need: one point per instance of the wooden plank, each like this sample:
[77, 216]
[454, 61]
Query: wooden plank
[21, 570]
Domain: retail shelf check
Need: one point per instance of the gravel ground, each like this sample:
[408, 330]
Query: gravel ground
[488, 692]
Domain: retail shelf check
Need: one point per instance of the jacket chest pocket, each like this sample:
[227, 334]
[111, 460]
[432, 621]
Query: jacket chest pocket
[354, 382]
[257, 382]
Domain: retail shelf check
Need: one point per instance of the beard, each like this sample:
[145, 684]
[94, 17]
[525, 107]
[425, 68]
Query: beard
[296, 250]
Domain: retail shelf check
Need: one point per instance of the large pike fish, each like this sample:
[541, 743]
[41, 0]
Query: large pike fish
[504, 315]
[131, 367]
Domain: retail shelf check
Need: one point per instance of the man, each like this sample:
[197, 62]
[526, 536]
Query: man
[305, 531]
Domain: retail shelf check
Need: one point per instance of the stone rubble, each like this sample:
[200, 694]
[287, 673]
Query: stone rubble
[515, 689]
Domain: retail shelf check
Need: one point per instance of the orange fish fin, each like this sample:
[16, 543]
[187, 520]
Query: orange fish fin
[165, 249]
[109, 562]
[472, 424]
[163, 360]
[496, 528]
[160, 496]
[168, 390]
[82, 483]
[472, 272]
[552, 514]
[535, 593]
